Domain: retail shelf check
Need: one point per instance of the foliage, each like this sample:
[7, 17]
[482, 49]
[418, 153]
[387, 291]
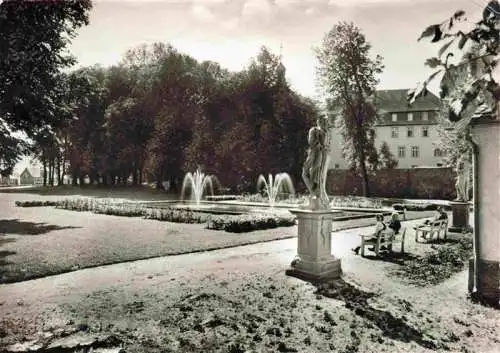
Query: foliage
[123, 208]
[439, 264]
[248, 222]
[348, 76]
[478, 92]
[335, 201]
[355, 202]
[386, 158]
[161, 113]
[415, 207]
[35, 35]
[36, 203]
[176, 215]
[11, 149]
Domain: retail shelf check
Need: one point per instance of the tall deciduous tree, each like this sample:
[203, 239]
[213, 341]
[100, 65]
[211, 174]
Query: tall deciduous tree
[34, 36]
[348, 75]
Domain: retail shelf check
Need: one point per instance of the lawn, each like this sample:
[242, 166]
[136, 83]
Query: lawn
[41, 241]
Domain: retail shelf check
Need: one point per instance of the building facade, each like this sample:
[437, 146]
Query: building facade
[410, 131]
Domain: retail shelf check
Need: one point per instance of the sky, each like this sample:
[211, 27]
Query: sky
[232, 31]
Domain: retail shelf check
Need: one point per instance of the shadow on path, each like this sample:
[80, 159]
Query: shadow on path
[395, 257]
[392, 327]
[15, 226]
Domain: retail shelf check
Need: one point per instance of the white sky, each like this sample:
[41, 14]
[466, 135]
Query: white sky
[232, 31]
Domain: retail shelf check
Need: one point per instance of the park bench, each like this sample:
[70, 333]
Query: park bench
[389, 238]
[432, 230]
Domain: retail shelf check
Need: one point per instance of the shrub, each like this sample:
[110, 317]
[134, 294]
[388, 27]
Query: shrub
[248, 222]
[175, 215]
[36, 203]
[355, 201]
[117, 207]
[439, 264]
[415, 207]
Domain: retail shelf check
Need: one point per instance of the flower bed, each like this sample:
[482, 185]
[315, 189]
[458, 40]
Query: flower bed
[36, 203]
[415, 207]
[248, 223]
[335, 201]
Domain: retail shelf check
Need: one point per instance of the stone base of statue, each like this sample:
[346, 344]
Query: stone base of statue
[460, 217]
[314, 261]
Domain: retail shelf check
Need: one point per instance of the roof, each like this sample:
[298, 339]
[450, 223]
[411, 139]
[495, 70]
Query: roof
[395, 100]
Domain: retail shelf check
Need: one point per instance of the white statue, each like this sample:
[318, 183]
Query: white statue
[462, 183]
[314, 168]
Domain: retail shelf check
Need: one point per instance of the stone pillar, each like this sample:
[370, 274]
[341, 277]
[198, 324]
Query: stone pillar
[460, 217]
[486, 136]
[314, 261]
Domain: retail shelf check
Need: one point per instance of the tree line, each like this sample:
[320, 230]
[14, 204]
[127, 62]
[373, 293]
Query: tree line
[160, 113]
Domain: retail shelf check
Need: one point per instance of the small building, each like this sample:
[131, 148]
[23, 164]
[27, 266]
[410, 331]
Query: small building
[26, 178]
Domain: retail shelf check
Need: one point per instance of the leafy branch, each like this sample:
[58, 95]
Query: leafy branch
[478, 63]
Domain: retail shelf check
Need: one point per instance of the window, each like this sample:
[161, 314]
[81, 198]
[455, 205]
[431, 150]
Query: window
[439, 153]
[425, 131]
[337, 166]
[409, 132]
[401, 152]
[410, 116]
[415, 151]
[394, 117]
[395, 132]
[439, 164]
[425, 116]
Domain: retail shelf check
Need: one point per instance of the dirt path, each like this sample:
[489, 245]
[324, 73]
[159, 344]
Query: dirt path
[237, 300]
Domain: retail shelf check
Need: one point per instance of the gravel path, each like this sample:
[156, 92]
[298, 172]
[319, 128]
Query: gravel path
[40, 241]
[238, 300]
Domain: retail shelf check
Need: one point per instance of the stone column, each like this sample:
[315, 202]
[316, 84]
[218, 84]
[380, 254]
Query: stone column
[314, 261]
[486, 136]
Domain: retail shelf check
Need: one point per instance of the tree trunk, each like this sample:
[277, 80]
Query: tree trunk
[74, 180]
[44, 162]
[59, 176]
[51, 171]
[81, 180]
[364, 174]
[135, 177]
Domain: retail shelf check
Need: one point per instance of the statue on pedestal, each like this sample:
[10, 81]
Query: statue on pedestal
[313, 170]
[462, 183]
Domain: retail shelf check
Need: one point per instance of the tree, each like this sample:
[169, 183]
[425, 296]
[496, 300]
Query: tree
[348, 75]
[479, 90]
[386, 158]
[11, 148]
[34, 37]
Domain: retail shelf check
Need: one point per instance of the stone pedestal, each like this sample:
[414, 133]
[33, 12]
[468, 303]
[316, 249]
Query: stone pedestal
[314, 261]
[460, 217]
[487, 211]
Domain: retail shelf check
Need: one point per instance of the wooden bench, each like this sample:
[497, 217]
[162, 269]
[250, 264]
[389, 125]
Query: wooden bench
[389, 238]
[432, 230]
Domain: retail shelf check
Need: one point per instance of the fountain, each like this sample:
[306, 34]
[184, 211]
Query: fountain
[273, 186]
[198, 182]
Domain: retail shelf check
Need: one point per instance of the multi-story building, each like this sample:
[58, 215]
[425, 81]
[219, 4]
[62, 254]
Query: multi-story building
[410, 131]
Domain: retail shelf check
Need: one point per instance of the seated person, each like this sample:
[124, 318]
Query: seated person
[438, 216]
[395, 224]
[379, 228]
